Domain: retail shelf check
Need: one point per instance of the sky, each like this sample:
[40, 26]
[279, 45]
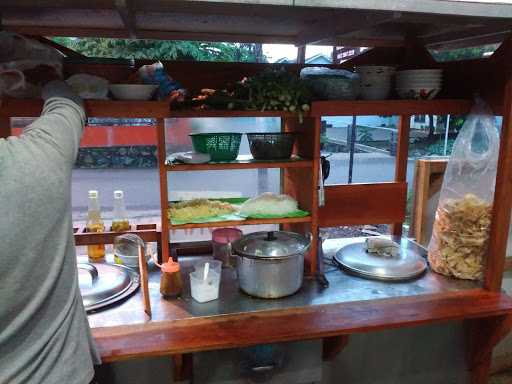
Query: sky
[276, 51]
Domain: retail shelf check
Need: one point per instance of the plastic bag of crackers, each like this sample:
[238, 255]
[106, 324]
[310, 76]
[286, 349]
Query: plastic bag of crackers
[460, 235]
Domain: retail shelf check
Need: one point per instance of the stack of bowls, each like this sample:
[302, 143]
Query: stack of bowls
[375, 81]
[422, 84]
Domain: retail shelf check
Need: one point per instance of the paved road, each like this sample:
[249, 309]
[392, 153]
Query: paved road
[142, 192]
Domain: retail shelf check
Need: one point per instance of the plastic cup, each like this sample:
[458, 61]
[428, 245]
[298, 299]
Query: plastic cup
[214, 265]
[204, 290]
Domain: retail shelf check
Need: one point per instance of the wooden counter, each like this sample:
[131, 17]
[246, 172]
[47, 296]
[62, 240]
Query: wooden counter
[350, 305]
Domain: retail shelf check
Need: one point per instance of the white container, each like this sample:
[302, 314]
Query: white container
[206, 289]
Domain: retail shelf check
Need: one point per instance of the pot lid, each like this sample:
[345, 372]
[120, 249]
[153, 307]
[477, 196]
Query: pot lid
[356, 259]
[102, 284]
[271, 244]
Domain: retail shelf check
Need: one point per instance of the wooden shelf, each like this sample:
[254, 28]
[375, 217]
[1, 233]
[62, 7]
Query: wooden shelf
[229, 113]
[390, 107]
[191, 334]
[93, 108]
[160, 109]
[234, 223]
[243, 162]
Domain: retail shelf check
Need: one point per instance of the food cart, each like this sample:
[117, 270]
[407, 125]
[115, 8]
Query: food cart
[399, 32]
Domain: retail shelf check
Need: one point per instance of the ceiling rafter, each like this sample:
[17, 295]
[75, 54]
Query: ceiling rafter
[341, 24]
[127, 14]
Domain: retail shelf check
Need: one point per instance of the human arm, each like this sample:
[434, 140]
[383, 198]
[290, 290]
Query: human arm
[61, 122]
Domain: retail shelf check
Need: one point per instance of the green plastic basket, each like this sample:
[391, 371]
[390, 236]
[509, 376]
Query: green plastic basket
[220, 146]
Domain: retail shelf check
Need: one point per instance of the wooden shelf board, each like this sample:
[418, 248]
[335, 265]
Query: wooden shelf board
[160, 109]
[93, 108]
[231, 223]
[311, 322]
[390, 107]
[243, 162]
[228, 113]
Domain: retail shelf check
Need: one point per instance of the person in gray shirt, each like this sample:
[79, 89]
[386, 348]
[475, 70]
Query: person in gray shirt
[44, 333]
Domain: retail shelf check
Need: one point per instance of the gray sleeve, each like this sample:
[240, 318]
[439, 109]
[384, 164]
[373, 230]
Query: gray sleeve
[59, 127]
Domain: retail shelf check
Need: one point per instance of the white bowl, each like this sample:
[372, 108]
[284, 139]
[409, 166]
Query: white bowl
[420, 72]
[377, 70]
[133, 91]
[369, 93]
[417, 83]
[419, 79]
[418, 93]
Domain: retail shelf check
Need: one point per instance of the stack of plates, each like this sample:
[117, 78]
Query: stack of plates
[375, 81]
[423, 84]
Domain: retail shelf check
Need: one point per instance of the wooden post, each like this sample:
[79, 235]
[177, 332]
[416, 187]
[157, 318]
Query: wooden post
[482, 336]
[301, 54]
[164, 200]
[402, 154]
[333, 345]
[183, 366]
[502, 200]
[5, 126]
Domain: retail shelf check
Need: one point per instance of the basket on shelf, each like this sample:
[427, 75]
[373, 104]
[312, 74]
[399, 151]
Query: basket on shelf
[220, 146]
[271, 146]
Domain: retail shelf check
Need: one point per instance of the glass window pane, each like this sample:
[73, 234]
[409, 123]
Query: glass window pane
[369, 158]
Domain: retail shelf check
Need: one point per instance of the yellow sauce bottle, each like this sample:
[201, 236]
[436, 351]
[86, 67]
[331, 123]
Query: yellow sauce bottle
[120, 221]
[96, 252]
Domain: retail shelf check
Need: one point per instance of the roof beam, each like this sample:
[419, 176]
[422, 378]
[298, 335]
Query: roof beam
[61, 48]
[463, 37]
[337, 26]
[125, 10]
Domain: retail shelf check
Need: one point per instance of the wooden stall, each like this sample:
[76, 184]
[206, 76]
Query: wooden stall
[399, 38]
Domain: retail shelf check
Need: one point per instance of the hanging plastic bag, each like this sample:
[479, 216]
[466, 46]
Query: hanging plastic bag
[460, 235]
[22, 58]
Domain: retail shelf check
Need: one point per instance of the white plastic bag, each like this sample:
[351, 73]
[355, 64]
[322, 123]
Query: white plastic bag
[19, 54]
[460, 235]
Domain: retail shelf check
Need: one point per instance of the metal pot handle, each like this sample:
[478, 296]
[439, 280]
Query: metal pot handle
[93, 271]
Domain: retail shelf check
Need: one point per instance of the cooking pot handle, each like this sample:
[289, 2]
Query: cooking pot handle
[93, 271]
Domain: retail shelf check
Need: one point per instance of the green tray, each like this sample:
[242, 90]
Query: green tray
[236, 216]
[296, 214]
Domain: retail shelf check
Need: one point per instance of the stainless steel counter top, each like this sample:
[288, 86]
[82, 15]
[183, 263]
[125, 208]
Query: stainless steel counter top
[343, 288]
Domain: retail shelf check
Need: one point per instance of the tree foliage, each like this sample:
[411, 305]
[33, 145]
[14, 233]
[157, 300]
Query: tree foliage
[163, 50]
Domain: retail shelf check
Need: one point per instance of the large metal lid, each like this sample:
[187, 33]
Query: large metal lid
[273, 244]
[406, 265]
[103, 284]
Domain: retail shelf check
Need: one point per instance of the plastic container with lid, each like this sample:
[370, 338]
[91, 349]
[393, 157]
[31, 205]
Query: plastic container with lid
[221, 244]
[170, 280]
[205, 281]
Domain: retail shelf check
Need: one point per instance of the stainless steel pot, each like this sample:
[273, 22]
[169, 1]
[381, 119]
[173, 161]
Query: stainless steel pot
[270, 264]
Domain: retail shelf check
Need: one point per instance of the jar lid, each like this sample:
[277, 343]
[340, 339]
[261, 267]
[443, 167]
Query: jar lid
[273, 244]
[170, 267]
[102, 284]
[406, 265]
